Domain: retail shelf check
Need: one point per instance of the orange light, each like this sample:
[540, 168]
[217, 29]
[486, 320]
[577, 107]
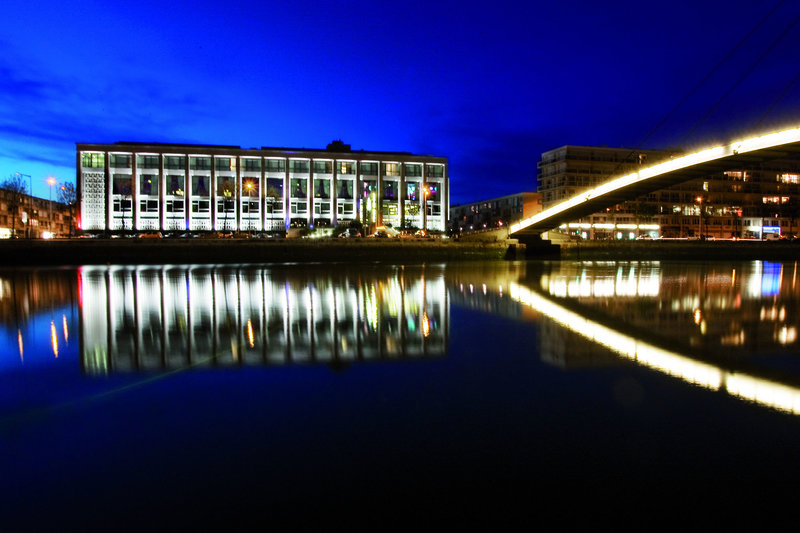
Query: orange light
[54, 338]
[52, 181]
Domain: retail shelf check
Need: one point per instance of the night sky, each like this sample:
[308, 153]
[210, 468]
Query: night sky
[490, 85]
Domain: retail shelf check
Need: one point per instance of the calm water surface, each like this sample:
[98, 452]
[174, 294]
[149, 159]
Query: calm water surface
[197, 395]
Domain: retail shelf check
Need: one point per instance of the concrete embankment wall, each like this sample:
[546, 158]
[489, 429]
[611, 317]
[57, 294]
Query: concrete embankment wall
[214, 251]
[681, 250]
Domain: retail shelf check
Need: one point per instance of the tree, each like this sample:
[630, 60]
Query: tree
[228, 191]
[17, 191]
[68, 196]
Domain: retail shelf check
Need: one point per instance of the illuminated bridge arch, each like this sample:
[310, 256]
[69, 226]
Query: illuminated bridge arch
[662, 175]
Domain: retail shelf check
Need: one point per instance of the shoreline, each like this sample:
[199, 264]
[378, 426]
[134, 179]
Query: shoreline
[76, 252]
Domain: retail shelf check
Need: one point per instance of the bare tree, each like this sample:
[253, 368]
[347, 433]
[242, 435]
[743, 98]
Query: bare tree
[17, 190]
[68, 196]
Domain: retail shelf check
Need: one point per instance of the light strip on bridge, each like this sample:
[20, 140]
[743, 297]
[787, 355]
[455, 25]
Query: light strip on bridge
[704, 156]
[755, 389]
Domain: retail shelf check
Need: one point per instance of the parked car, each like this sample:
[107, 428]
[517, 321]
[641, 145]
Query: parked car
[350, 233]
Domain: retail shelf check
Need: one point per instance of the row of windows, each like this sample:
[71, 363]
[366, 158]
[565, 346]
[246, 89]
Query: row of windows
[298, 187]
[174, 162]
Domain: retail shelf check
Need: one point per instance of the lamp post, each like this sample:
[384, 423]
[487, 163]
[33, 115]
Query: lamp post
[30, 196]
[51, 181]
[424, 209]
[249, 187]
[700, 212]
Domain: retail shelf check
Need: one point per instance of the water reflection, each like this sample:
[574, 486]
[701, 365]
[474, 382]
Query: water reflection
[728, 327]
[146, 318]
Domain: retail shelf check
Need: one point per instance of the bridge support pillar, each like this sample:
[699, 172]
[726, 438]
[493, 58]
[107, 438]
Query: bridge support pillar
[538, 248]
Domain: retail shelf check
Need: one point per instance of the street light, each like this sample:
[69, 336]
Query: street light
[30, 196]
[249, 186]
[700, 204]
[51, 181]
[424, 208]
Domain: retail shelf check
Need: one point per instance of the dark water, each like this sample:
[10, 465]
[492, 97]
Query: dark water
[172, 397]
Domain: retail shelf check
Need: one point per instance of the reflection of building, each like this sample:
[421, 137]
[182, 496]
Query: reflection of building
[173, 317]
[494, 213]
[24, 215]
[205, 188]
[747, 202]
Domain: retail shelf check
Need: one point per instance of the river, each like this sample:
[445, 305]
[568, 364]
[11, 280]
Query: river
[199, 395]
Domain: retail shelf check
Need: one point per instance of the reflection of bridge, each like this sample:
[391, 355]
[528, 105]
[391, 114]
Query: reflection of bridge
[662, 175]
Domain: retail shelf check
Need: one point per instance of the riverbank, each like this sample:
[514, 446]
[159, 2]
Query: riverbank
[681, 250]
[19, 252]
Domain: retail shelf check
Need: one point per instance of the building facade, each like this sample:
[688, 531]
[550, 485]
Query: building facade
[756, 202]
[171, 187]
[494, 213]
[25, 216]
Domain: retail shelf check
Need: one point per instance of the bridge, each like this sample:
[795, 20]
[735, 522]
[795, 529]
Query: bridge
[676, 170]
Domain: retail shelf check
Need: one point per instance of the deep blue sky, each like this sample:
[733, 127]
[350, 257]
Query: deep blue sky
[490, 85]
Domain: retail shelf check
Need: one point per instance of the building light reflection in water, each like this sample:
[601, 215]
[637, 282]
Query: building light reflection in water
[144, 318]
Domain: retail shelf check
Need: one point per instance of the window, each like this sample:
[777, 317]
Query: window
[250, 187]
[391, 169]
[274, 188]
[298, 188]
[147, 161]
[434, 171]
[345, 189]
[120, 161]
[323, 167]
[250, 206]
[200, 185]
[346, 167]
[148, 184]
[174, 206]
[121, 184]
[789, 178]
[225, 205]
[369, 169]
[174, 162]
[276, 165]
[226, 186]
[322, 188]
[298, 166]
[225, 164]
[413, 170]
[201, 206]
[200, 163]
[274, 206]
[412, 190]
[122, 204]
[175, 184]
[433, 191]
[390, 190]
[252, 165]
[93, 160]
[148, 206]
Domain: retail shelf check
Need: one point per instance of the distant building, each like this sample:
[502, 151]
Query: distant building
[751, 202]
[175, 187]
[495, 212]
[33, 217]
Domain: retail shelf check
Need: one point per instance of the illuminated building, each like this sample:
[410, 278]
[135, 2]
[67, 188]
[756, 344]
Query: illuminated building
[171, 187]
[33, 217]
[495, 212]
[747, 202]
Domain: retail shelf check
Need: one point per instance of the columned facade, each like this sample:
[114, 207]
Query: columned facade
[167, 187]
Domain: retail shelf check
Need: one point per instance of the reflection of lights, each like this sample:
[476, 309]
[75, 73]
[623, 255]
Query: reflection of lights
[19, 341]
[698, 316]
[66, 331]
[759, 390]
[251, 338]
[54, 338]
[786, 335]
[426, 326]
